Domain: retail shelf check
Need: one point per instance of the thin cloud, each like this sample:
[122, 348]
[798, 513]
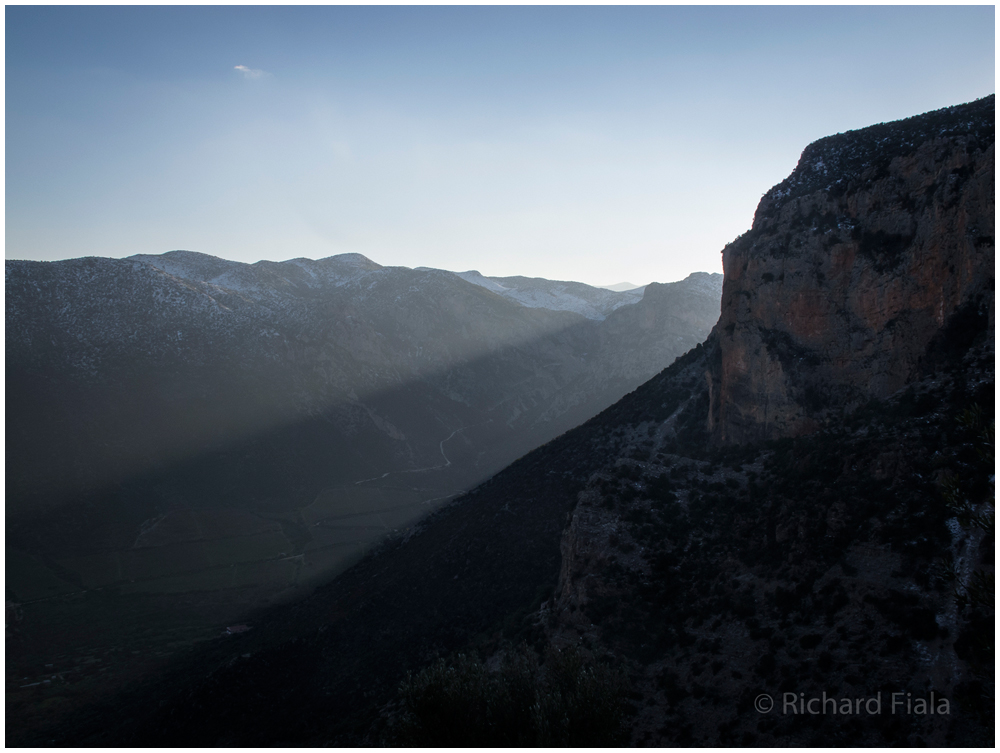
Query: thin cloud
[249, 72]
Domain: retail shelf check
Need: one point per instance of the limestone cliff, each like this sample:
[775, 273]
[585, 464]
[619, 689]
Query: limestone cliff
[873, 255]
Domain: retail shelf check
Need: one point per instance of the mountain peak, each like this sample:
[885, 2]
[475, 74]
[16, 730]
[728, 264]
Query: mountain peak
[359, 261]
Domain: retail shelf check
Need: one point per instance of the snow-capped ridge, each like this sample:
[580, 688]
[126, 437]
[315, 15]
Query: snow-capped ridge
[476, 278]
[557, 295]
[262, 279]
[276, 284]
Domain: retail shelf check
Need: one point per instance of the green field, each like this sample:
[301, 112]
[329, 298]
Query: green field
[212, 579]
[203, 525]
[28, 579]
[98, 620]
[344, 501]
[157, 561]
[257, 546]
[328, 561]
[96, 570]
[346, 534]
[204, 565]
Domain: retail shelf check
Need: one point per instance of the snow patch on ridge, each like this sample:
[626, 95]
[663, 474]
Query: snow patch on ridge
[590, 302]
[270, 282]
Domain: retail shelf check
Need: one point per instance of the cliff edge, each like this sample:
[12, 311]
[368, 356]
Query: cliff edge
[872, 257]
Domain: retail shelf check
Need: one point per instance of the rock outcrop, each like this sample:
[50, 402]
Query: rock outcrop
[875, 254]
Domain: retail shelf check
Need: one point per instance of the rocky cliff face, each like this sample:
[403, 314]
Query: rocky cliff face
[857, 324]
[875, 254]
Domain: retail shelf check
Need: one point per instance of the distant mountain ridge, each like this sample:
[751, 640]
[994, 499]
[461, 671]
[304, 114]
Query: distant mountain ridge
[184, 423]
[593, 303]
[621, 287]
[590, 302]
[192, 437]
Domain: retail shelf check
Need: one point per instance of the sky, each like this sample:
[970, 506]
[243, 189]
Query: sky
[598, 144]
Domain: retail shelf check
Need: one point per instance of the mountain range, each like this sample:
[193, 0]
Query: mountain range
[182, 428]
[795, 514]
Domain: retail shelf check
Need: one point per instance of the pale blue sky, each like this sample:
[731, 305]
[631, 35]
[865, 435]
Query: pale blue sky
[597, 144]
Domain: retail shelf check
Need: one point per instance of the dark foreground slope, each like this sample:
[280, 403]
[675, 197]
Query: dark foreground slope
[824, 573]
[854, 560]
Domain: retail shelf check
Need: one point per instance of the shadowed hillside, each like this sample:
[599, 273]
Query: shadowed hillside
[191, 439]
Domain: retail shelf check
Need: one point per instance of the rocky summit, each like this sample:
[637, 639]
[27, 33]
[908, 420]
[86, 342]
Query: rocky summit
[873, 257]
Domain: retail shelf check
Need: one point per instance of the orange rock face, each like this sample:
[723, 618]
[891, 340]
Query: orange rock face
[872, 259]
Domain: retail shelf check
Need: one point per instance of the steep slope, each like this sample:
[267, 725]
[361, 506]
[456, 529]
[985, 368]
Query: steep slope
[831, 564]
[880, 242]
[841, 562]
[854, 561]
